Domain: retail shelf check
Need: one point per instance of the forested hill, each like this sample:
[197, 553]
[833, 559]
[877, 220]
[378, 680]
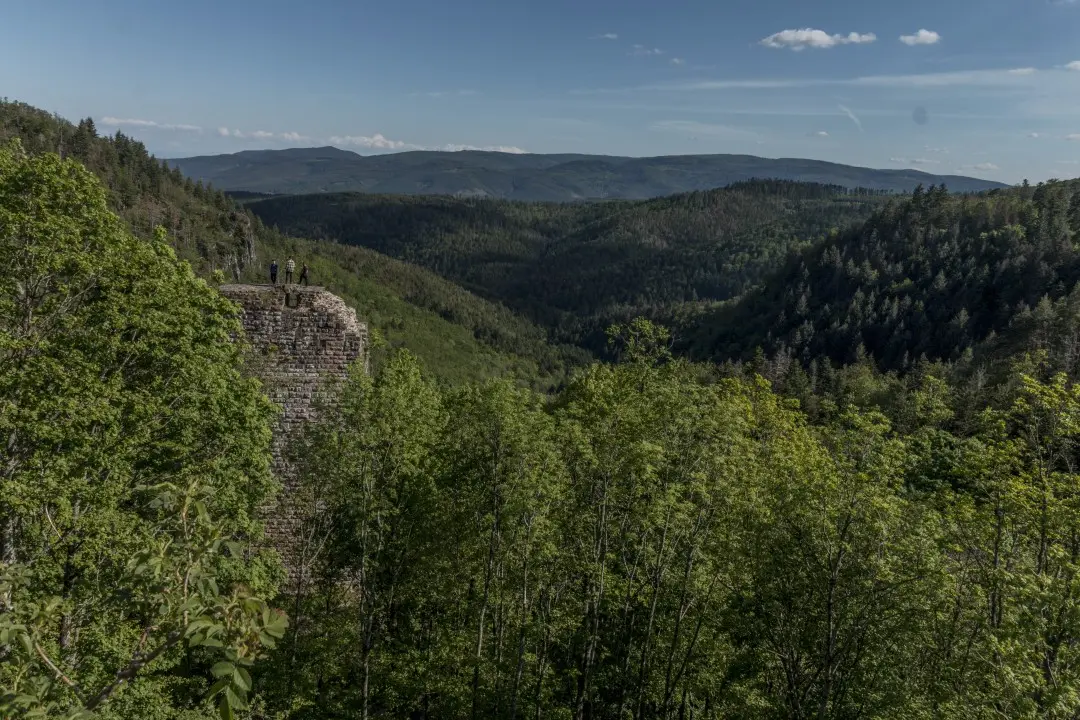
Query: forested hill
[458, 335]
[528, 176]
[656, 539]
[935, 276]
[575, 268]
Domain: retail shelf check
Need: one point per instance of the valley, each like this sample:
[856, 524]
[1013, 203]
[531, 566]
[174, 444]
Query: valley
[768, 449]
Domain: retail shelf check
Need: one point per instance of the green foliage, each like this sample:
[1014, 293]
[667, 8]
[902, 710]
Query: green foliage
[525, 176]
[576, 268]
[934, 276]
[459, 335]
[130, 434]
[870, 515]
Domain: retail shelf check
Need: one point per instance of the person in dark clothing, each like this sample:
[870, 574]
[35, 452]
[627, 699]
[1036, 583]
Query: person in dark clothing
[303, 275]
[290, 266]
[273, 273]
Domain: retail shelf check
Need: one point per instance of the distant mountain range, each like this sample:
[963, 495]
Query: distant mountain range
[530, 177]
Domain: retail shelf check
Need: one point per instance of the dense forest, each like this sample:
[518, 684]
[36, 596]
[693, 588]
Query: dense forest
[529, 176]
[815, 273]
[575, 269]
[458, 335]
[848, 491]
[935, 276]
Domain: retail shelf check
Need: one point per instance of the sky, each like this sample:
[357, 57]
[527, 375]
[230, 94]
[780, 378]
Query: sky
[987, 88]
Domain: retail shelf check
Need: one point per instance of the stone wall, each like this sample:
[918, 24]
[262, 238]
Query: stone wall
[301, 337]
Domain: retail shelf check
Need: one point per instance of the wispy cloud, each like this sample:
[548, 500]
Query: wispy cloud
[854, 118]
[983, 78]
[261, 135]
[678, 61]
[922, 37]
[605, 36]
[821, 133]
[643, 50]
[1022, 71]
[914, 161]
[979, 167]
[1073, 136]
[1074, 65]
[692, 128]
[810, 38]
[512, 149]
[378, 141]
[1034, 135]
[446, 93]
[149, 124]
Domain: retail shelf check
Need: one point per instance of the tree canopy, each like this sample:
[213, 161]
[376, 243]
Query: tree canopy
[135, 459]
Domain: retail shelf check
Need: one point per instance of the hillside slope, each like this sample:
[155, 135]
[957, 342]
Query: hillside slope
[574, 268]
[934, 276]
[456, 334]
[530, 177]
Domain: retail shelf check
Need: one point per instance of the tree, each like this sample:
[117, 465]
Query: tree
[135, 459]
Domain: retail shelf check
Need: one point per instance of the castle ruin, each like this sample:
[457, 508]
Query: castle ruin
[303, 336]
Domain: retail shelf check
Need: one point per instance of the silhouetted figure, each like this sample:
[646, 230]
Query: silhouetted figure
[273, 273]
[303, 275]
[290, 268]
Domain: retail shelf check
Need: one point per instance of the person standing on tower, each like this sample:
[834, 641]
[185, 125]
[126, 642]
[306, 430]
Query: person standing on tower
[290, 268]
[303, 275]
[273, 273]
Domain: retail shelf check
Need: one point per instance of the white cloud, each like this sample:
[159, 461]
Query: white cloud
[822, 133]
[380, 142]
[1034, 135]
[678, 61]
[810, 38]
[980, 167]
[132, 122]
[642, 50]
[376, 141]
[923, 37]
[605, 36]
[1073, 136]
[511, 149]
[854, 118]
[1074, 65]
[914, 161]
[1022, 71]
[261, 135]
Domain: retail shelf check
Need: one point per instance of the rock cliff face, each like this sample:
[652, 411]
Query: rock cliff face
[302, 336]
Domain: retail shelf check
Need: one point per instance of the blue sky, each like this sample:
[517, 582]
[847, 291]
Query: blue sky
[989, 88]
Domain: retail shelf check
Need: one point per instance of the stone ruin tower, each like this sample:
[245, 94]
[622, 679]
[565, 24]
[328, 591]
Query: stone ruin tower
[303, 336]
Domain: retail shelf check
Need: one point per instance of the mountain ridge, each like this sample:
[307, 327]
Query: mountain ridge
[532, 177]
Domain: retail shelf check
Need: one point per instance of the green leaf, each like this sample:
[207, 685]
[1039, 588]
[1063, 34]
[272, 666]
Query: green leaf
[222, 669]
[242, 679]
[225, 709]
[218, 687]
